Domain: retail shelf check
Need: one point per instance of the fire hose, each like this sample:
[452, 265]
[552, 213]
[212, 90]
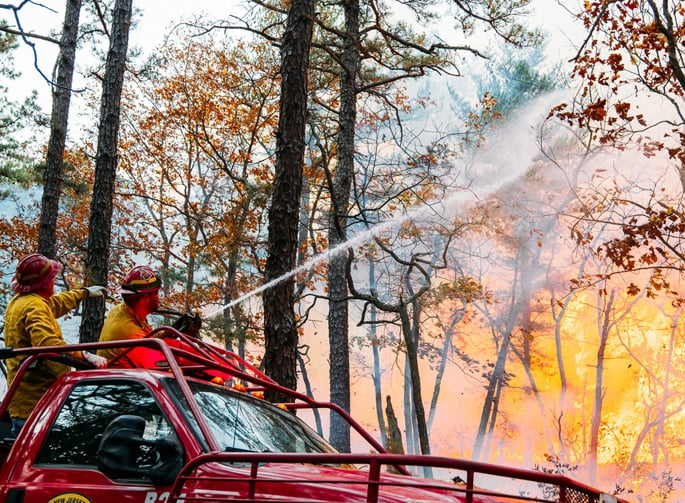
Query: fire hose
[187, 323]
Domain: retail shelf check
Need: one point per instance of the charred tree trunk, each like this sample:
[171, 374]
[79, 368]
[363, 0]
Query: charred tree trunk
[54, 162]
[99, 228]
[280, 330]
[394, 433]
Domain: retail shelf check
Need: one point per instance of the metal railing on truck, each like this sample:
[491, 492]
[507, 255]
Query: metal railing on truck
[200, 356]
[204, 356]
[550, 488]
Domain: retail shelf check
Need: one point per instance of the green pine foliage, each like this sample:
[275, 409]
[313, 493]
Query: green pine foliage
[21, 123]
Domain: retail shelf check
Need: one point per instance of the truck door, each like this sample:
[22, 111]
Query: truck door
[65, 469]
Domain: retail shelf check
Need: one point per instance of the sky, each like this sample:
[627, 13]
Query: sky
[157, 15]
[46, 18]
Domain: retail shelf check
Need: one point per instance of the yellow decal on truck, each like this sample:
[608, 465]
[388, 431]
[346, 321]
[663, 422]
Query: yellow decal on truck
[69, 498]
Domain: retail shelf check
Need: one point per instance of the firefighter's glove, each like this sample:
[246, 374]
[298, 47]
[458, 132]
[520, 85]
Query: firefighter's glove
[189, 324]
[95, 291]
[97, 361]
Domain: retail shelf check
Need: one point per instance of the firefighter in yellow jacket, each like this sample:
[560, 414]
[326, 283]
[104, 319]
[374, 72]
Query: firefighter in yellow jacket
[128, 320]
[30, 321]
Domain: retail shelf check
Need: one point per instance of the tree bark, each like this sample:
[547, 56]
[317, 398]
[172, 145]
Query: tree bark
[280, 330]
[394, 433]
[99, 229]
[338, 324]
[596, 420]
[54, 161]
[489, 413]
[413, 361]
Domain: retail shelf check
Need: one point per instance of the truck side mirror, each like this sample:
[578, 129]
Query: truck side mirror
[121, 447]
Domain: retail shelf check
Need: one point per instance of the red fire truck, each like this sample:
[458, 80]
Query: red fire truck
[192, 426]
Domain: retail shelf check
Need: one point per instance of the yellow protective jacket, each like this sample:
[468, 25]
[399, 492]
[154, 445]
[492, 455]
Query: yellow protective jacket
[121, 323]
[31, 320]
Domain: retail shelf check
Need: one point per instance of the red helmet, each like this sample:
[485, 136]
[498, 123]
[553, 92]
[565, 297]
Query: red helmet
[33, 272]
[141, 279]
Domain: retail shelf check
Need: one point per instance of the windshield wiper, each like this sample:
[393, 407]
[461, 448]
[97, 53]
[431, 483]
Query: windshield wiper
[235, 449]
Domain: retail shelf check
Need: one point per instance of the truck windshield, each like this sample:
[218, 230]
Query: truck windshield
[240, 422]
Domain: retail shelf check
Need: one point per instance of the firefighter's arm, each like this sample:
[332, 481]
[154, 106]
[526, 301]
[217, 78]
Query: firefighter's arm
[63, 302]
[44, 331]
[41, 326]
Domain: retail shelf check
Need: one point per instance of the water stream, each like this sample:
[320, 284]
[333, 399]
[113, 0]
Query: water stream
[495, 169]
[450, 204]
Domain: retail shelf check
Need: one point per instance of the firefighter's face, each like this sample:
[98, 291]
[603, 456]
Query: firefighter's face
[153, 301]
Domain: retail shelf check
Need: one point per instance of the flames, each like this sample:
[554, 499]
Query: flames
[542, 423]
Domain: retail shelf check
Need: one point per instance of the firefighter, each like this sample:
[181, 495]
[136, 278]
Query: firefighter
[30, 321]
[128, 320]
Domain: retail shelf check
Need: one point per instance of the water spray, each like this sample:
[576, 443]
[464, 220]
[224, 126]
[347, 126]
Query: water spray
[360, 239]
[517, 161]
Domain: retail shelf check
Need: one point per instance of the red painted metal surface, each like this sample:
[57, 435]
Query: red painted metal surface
[372, 484]
[209, 475]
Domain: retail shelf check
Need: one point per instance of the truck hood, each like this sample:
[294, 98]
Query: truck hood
[308, 483]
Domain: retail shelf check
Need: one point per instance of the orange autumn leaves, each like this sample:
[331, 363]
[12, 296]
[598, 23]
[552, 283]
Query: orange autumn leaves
[630, 53]
[196, 163]
[193, 178]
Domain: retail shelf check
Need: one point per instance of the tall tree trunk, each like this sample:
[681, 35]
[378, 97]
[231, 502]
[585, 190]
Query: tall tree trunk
[100, 225]
[596, 420]
[375, 347]
[280, 330]
[442, 365]
[54, 162]
[228, 324]
[489, 412]
[417, 400]
[498, 377]
[412, 437]
[338, 327]
[558, 313]
[234, 330]
[310, 392]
